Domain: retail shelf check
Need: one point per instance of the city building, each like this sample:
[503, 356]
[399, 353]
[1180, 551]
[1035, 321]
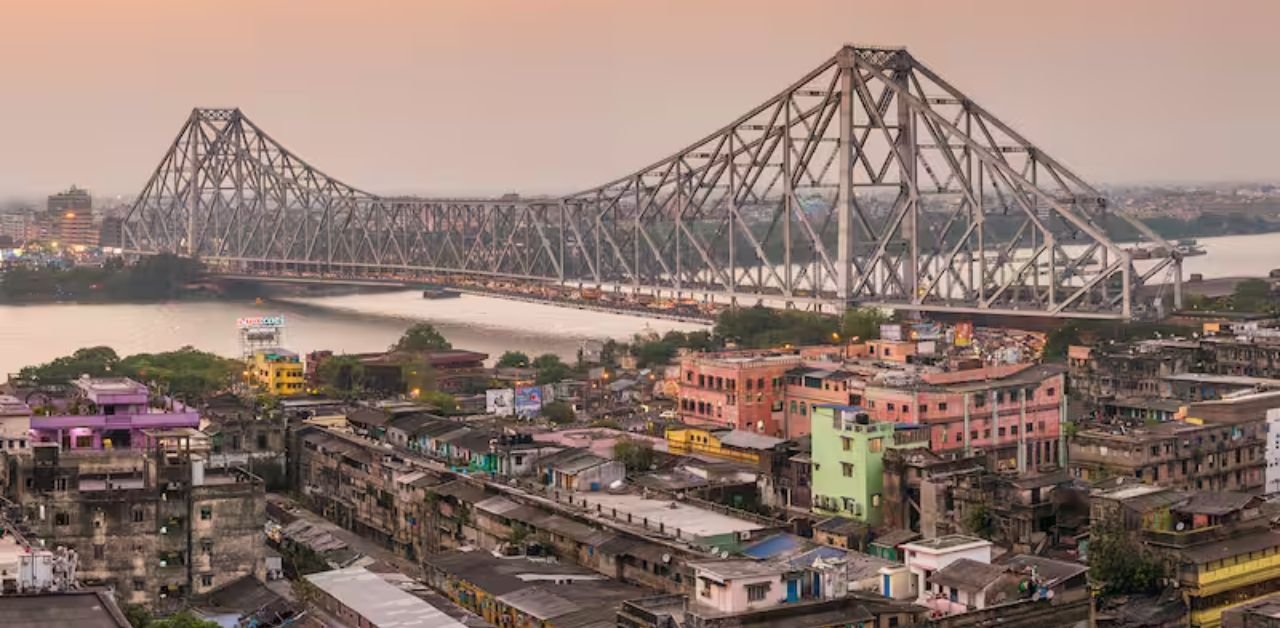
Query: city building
[109, 413]
[1213, 445]
[93, 608]
[1261, 613]
[15, 424]
[926, 557]
[518, 591]
[848, 461]
[71, 212]
[72, 199]
[813, 385]
[726, 443]
[278, 372]
[740, 390]
[359, 597]
[1271, 477]
[1012, 414]
[786, 475]
[154, 523]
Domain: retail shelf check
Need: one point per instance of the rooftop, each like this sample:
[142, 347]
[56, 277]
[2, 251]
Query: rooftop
[967, 575]
[1210, 378]
[690, 520]
[948, 542]
[82, 609]
[110, 386]
[743, 439]
[12, 406]
[1229, 548]
[1050, 571]
[732, 569]
[378, 601]
[1268, 607]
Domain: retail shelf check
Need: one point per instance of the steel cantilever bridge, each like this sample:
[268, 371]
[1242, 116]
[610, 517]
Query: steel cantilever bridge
[871, 180]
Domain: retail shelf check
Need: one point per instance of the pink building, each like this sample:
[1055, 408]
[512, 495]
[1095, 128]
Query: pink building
[1014, 413]
[741, 390]
[113, 412]
[814, 385]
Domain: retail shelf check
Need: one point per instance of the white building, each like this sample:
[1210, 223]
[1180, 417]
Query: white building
[1273, 452]
[925, 557]
[15, 424]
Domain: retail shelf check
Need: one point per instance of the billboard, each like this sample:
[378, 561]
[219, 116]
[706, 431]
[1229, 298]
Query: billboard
[499, 401]
[528, 401]
[891, 331]
[964, 334]
[260, 322]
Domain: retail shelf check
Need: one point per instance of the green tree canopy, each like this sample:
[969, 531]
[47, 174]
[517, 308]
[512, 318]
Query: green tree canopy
[341, 375]
[513, 359]
[91, 361]
[1252, 295]
[1121, 564]
[422, 337]
[186, 373]
[551, 368]
[637, 455]
[558, 412]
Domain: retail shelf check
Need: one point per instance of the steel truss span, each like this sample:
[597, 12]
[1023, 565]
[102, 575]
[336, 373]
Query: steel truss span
[871, 180]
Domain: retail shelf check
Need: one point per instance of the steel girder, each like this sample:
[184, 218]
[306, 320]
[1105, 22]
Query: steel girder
[871, 180]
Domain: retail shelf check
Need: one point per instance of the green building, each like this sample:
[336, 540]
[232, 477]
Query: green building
[848, 461]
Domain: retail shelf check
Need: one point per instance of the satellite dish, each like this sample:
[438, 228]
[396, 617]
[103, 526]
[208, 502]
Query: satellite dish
[666, 558]
[1180, 527]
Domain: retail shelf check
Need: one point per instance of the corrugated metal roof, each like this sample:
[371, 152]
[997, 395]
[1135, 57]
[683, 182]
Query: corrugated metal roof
[382, 604]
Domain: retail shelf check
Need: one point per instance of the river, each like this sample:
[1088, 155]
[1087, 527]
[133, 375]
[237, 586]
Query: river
[32, 334]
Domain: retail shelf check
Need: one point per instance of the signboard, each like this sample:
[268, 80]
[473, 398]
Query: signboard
[528, 401]
[964, 334]
[500, 401]
[891, 331]
[257, 322]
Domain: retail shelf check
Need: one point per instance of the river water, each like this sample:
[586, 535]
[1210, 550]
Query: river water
[32, 334]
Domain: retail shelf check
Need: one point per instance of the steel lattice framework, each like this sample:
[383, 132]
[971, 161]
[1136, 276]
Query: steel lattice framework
[871, 180]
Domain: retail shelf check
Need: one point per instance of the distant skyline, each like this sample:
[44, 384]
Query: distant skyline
[439, 97]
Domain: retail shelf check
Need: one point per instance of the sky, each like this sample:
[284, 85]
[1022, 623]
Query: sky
[451, 97]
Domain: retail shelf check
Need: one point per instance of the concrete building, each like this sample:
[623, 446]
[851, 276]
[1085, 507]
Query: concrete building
[15, 424]
[154, 523]
[729, 444]
[109, 413]
[579, 470]
[814, 385]
[278, 372]
[1213, 445]
[72, 199]
[848, 461]
[93, 608]
[925, 557]
[359, 597]
[1013, 413]
[1272, 474]
[740, 390]
[522, 592]
[1262, 613]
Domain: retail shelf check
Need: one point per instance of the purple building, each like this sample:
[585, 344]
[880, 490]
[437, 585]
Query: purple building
[109, 413]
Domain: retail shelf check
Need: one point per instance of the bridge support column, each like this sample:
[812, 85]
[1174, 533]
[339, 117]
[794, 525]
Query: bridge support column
[846, 59]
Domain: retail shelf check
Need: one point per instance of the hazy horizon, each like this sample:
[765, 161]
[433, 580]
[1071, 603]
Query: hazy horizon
[453, 97]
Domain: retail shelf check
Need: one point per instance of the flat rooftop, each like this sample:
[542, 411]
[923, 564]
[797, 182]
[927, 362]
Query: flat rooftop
[690, 520]
[1210, 378]
[378, 601]
[82, 609]
[12, 406]
[950, 541]
[111, 386]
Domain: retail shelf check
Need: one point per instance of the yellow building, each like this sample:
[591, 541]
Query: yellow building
[1228, 573]
[737, 445]
[278, 372]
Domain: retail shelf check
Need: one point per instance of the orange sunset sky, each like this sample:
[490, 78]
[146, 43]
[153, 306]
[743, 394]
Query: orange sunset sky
[547, 96]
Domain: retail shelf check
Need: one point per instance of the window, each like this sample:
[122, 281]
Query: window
[980, 401]
[60, 484]
[61, 519]
[875, 445]
[1031, 428]
[206, 513]
[846, 469]
[1013, 430]
[923, 408]
[875, 500]
[1049, 392]
[206, 580]
[1001, 434]
[139, 584]
[137, 515]
[846, 443]
[99, 551]
[206, 546]
[890, 407]
[756, 592]
[942, 407]
[973, 435]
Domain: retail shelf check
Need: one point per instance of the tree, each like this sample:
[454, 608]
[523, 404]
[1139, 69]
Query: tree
[654, 352]
[513, 359]
[188, 374]
[91, 361]
[558, 412]
[551, 368]
[978, 521]
[1058, 340]
[637, 455]
[1121, 564]
[1252, 295]
[422, 337]
[137, 614]
[341, 374]
[443, 401]
[862, 323]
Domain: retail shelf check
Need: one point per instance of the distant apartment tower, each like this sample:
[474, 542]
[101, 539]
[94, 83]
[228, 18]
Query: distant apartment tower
[72, 215]
[15, 226]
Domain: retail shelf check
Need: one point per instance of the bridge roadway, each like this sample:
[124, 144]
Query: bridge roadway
[605, 307]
